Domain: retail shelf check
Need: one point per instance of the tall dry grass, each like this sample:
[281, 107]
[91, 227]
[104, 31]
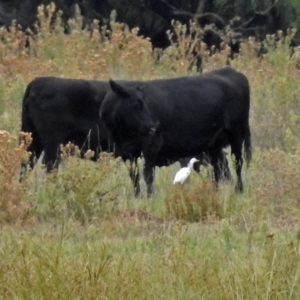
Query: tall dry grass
[79, 232]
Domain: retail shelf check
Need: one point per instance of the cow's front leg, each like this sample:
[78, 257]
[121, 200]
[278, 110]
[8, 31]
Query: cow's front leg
[135, 177]
[149, 177]
[151, 148]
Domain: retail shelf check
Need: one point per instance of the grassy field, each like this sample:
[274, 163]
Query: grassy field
[81, 234]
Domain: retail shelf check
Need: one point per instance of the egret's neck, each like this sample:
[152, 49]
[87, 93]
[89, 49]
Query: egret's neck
[190, 165]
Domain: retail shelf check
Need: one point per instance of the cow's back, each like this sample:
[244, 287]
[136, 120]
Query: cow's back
[57, 110]
[194, 108]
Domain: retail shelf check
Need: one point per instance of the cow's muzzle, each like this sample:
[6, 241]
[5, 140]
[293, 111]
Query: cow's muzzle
[153, 128]
[152, 131]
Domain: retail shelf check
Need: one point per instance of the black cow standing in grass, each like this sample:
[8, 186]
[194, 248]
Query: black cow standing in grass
[57, 111]
[169, 119]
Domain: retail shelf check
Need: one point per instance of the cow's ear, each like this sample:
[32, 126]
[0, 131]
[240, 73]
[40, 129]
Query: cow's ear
[139, 104]
[140, 88]
[118, 89]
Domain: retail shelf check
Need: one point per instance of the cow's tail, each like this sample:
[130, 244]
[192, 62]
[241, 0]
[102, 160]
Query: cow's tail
[25, 127]
[28, 127]
[247, 145]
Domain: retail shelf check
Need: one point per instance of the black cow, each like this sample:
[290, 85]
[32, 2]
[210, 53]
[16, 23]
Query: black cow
[169, 119]
[211, 19]
[58, 110]
[212, 39]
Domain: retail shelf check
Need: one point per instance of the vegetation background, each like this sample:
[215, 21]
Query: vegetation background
[80, 234]
[286, 15]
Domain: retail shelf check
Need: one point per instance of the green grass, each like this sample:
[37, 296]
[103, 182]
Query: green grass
[80, 233]
[130, 258]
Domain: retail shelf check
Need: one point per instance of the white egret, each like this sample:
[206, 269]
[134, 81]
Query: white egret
[184, 173]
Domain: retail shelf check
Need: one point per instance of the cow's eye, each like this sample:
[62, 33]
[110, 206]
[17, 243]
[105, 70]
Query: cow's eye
[139, 104]
[131, 132]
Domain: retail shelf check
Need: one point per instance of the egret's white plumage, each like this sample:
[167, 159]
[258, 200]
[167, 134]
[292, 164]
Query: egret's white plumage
[182, 175]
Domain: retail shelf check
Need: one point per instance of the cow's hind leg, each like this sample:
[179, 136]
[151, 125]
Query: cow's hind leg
[35, 149]
[220, 165]
[51, 156]
[224, 167]
[216, 166]
[236, 149]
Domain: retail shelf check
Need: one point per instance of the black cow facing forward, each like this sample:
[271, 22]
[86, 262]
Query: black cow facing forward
[169, 119]
[57, 111]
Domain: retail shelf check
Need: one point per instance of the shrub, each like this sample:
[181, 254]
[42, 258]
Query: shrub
[12, 207]
[194, 203]
[80, 189]
[277, 189]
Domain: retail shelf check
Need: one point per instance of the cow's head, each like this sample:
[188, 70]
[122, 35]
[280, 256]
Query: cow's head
[126, 114]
